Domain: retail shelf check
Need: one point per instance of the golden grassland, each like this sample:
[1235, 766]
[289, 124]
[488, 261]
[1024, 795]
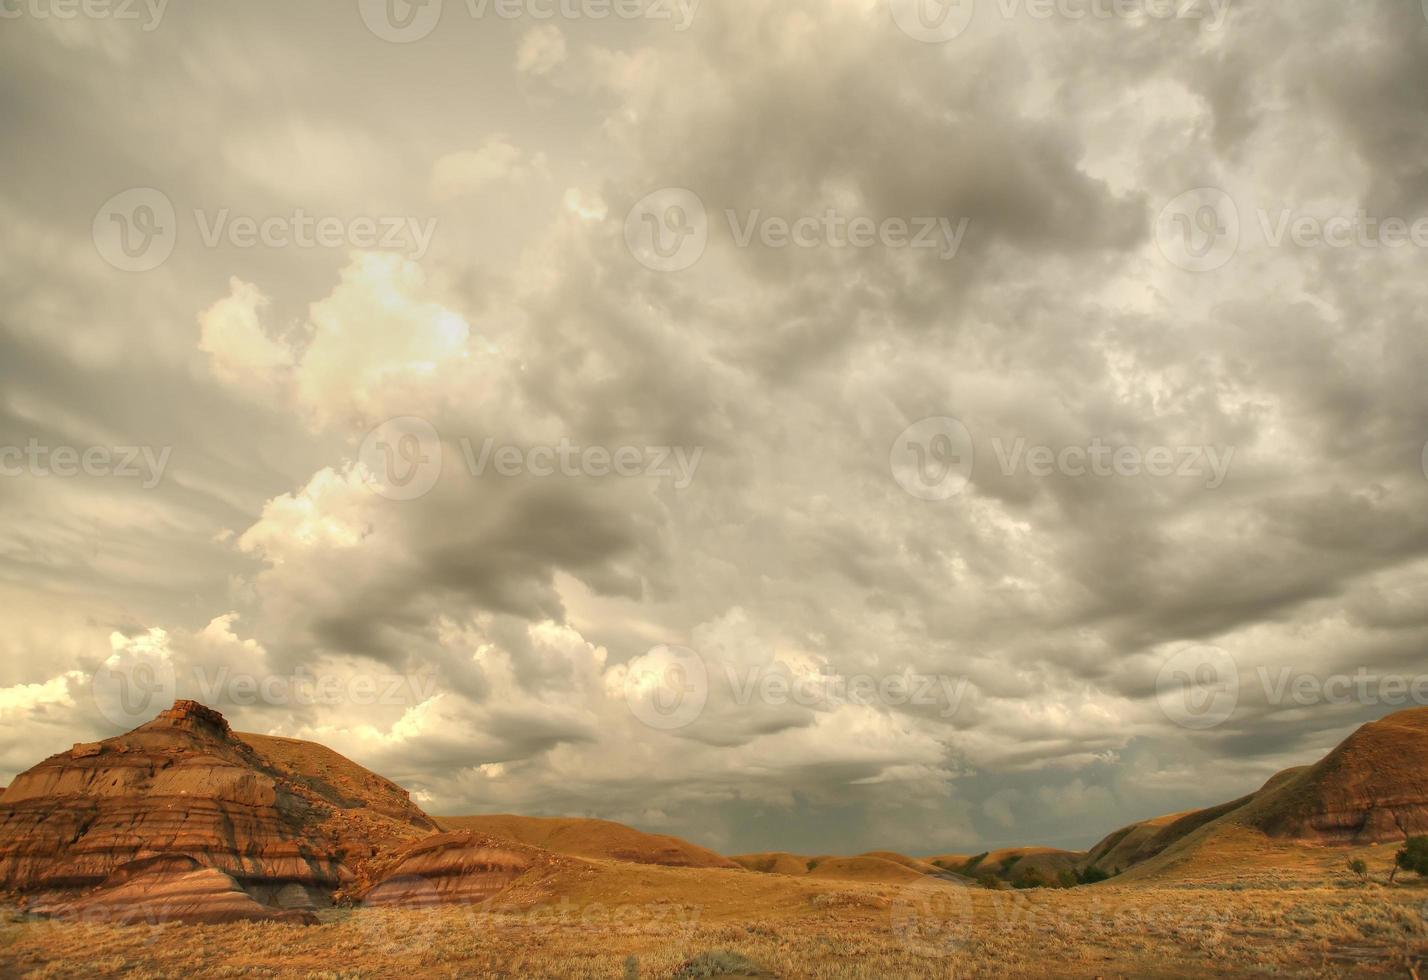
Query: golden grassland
[645, 922]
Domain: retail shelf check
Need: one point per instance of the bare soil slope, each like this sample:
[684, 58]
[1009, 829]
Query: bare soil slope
[1372, 788]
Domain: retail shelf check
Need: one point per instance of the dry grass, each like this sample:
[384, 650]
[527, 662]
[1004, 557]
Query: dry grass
[1229, 853]
[783, 928]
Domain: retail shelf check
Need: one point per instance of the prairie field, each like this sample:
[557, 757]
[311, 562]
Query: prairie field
[680, 923]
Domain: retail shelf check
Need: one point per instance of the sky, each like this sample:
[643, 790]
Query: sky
[818, 425]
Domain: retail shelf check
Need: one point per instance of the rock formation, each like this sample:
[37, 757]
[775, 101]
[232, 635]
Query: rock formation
[184, 785]
[170, 888]
[459, 867]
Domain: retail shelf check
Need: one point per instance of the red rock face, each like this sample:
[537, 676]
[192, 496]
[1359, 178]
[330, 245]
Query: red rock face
[171, 888]
[184, 785]
[461, 867]
[177, 785]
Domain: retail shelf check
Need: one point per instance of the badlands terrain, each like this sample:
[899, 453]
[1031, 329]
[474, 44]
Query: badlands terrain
[183, 848]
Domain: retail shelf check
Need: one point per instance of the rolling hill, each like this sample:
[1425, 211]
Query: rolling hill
[1370, 791]
[885, 867]
[591, 839]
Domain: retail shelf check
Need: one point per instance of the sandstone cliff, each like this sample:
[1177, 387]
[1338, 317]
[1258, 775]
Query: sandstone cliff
[261, 812]
[459, 867]
[170, 888]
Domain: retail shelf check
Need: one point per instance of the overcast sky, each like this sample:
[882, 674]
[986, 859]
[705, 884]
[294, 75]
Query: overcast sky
[1044, 395]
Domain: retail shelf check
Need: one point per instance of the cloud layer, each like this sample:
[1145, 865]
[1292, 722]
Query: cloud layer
[497, 637]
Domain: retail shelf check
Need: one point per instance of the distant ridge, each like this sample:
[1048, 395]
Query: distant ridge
[591, 839]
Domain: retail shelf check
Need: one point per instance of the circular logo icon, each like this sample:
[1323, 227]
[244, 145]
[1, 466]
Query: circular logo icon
[401, 458]
[400, 21]
[667, 688]
[933, 917]
[135, 230]
[1199, 231]
[934, 21]
[668, 230]
[133, 686]
[1198, 687]
[933, 459]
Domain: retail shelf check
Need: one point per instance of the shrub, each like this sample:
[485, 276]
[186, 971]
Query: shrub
[1032, 879]
[971, 865]
[1413, 856]
[1089, 876]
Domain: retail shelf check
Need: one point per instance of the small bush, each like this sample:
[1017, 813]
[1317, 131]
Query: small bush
[1032, 879]
[1414, 856]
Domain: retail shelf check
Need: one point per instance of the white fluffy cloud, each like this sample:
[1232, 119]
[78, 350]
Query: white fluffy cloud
[376, 339]
[239, 349]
